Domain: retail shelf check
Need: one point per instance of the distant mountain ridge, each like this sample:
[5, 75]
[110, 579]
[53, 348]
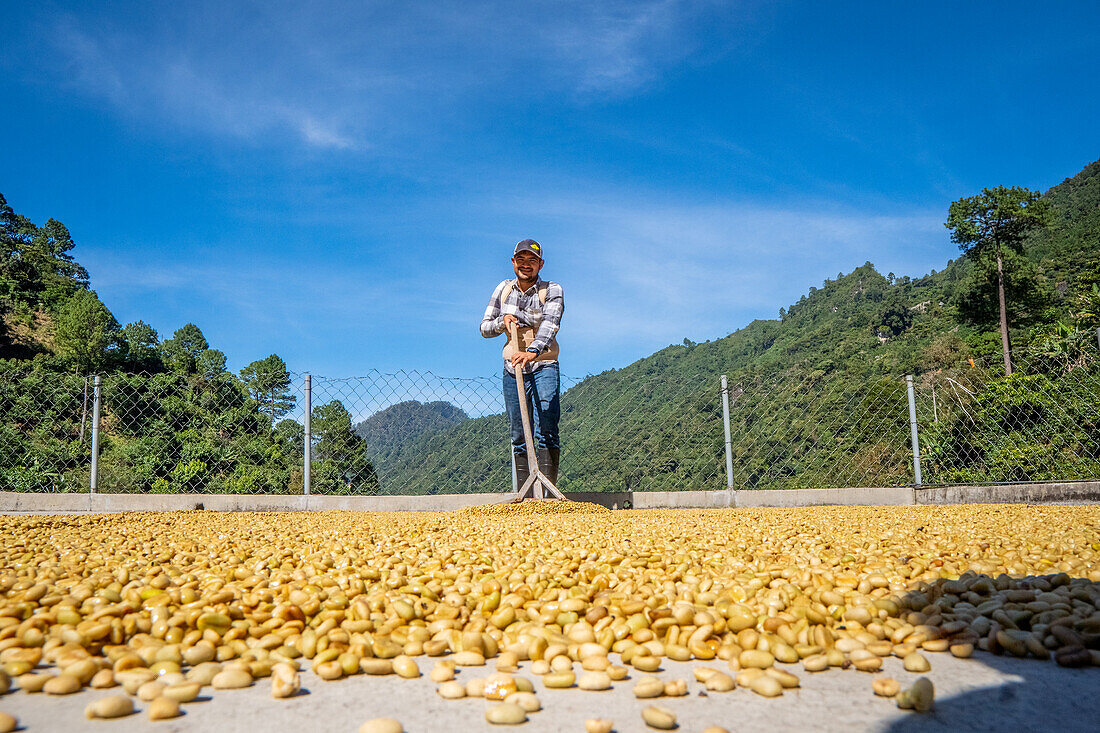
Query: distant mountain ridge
[389, 429]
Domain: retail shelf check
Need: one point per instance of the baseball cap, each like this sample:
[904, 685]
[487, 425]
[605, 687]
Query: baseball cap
[529, 245]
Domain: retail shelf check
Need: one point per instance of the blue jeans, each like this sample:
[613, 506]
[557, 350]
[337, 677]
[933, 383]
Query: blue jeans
[543, 404]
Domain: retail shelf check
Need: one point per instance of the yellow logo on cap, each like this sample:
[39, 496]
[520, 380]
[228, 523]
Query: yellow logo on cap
[535, 247]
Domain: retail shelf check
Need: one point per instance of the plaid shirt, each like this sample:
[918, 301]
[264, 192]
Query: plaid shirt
[529, 310]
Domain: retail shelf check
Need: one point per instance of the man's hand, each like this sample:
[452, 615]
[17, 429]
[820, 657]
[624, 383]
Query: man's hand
[509, 321]
[521, 359]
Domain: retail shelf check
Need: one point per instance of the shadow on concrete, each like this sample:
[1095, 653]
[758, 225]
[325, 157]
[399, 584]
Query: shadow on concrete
[1042, 696]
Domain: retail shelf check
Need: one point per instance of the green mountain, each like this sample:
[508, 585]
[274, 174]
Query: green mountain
[173, 419]
[388, 430]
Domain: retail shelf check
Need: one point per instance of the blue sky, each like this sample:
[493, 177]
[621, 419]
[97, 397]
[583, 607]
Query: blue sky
[341, 183]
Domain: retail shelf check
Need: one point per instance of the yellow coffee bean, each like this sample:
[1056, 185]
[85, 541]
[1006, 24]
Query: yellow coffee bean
[506, 713]
[382, 725]
[766, 685]
[370, 665]
[557, 680]
[103, 679]
[232, 679]
[720, 682]
[285, 681]
[916, 662]
[150, 691]
[786, 679]
[676, 688]
[816, 663]
[63, 684]
[469, 659]
[659, 717]
[648, 687]
[594, 681]
[885, 686]
[115, 706]
[526, 700]
[405, 667]
[498, 686]
[442, 673]
[182, 691]
[452, 690]
[163, 708]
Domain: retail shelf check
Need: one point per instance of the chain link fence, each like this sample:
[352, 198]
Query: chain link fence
[418, 433]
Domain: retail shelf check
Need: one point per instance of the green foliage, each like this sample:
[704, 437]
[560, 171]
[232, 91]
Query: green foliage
[174, 433]
[181, 352]
[210, 364]
[86, 332]
[138, 348]
[1028, 296]
[340, 463]
[1086, 307]
[1015, 428]
[989, 228]
[268, 382]
[36, 270]
[44, 443]
[997, 219]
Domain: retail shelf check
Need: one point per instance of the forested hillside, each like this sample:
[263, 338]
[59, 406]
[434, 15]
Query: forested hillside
[387, 430]
[176, 420]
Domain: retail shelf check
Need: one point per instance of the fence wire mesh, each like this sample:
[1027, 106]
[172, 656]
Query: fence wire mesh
[418, 433]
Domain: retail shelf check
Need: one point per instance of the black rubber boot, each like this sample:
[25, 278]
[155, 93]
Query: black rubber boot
[548, 463]
[523, 471]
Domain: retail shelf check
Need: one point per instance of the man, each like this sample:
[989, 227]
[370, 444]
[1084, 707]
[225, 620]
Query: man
[535, 307]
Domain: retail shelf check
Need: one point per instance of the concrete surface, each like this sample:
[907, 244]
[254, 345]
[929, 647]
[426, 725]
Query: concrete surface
[1075, 492]
[985, 693]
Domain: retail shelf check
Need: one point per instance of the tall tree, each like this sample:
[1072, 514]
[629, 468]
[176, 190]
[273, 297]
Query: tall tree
[181, 352]
[210, 363]
[340, 454]
[990, 224]
[36, 269]
[85, 331]
[139, 346]
[268, 381]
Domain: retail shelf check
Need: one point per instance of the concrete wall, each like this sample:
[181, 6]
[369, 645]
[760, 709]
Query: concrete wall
[1051, 493]
[893, 496]
[1072, 492]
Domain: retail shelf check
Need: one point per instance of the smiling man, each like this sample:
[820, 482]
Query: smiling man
[535, 306]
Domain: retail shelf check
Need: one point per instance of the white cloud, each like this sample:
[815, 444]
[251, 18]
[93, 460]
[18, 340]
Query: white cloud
[644, 274]
[343, 74]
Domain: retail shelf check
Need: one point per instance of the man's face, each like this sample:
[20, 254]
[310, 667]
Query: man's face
[527, 266]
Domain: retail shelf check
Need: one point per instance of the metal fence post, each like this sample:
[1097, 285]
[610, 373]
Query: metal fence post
[308, 442]
[726, 423]
[93, 484]
[515, 478]
[913, 429]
